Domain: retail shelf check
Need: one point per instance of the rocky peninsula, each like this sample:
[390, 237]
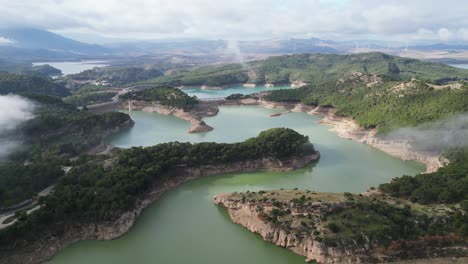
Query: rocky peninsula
[195, 115]
[340, 228]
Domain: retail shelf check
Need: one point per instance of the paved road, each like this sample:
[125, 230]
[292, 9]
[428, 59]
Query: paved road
[115, 103]
[34, 206]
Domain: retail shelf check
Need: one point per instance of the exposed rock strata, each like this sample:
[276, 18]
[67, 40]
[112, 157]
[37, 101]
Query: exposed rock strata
[346, 127]
[194, 116]
[251, 213]
[59, 237]
[247, 215]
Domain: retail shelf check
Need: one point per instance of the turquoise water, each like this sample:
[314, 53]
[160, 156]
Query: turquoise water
[203, 93]
[462, 66]
[184, 226]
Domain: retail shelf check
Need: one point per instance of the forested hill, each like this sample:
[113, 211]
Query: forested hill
[60, 131]
[168, 96]
[315, 69]
[27, 84]
[385, 105]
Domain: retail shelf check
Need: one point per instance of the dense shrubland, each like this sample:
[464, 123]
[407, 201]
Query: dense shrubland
[448, 185]
[167, 96]
[27, 84]
[94, 192]
[313, 69]
[381, 106]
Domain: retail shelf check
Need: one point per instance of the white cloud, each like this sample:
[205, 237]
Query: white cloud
[6, 41]
[14, 110]
[236, 19]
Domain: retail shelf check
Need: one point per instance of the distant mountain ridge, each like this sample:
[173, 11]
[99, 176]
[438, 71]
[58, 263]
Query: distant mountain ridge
[31, 42]
[314, 68]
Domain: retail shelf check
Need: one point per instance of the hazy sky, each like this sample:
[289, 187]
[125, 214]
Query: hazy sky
[407, 20]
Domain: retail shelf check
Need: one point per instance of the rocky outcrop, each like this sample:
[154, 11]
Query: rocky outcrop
[194, 116]
[359, 77]
[248, 215]
[297, 84]
[280, 217]
[60, 236]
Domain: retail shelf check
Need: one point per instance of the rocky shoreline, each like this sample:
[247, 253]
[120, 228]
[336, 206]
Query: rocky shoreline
[60, 237]
[194, 116]
[346, 127]
[247, 215]
[303, 228]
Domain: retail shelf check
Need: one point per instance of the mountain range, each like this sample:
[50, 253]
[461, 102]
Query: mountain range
[31, 44]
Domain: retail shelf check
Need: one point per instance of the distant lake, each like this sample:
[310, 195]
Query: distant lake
[462, 66]
[203, 93]
[72, 67]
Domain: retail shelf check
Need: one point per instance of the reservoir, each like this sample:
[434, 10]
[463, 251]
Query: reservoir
[72, 67]
[184, 226]
[207, 93]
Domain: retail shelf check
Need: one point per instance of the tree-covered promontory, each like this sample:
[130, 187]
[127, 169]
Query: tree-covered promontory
[168, 96]
[101, 188]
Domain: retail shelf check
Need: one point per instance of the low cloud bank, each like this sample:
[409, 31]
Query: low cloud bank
[437, 136]
[14, 110]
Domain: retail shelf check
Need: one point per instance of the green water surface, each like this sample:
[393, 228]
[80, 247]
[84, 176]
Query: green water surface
[184, 226]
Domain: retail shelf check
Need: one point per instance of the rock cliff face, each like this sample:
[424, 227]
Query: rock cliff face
[58, 237]
[332, 228]
[248, 215]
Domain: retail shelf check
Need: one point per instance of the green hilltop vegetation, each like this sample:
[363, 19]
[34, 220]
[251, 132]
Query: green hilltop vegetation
[314, 69]
[101, 188]
[380, 224]
[448, 185]
[19, 182]
[60, 130]
[168, 96]
[28, 69]
[89, 98]
[57, 133]
[27, 84]
[385, 106]
[116, 75]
